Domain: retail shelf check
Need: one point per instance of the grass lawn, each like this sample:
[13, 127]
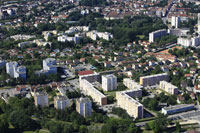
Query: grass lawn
[111, 93]
[40, 131]
[141, 36]
[6, 87]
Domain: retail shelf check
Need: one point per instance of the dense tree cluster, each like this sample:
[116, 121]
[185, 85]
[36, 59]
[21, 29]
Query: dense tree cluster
[152, 103]
[119, 126]
[121, 113]
[158, 125]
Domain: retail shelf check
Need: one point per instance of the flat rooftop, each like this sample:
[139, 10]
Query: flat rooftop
[155, 75]
[178, 106]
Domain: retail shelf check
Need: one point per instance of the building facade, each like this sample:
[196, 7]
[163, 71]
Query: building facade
[49, 67]
[157, 34]
[175, 21]
[41, 99]
[133, 107]
[186, 42]
[153, 79]
[15, 71]
[131, 84]
[90, 90]
[109, 82]
[84, 107]
[61, 102]
[177, 108]
[198, 23]
[168, 87]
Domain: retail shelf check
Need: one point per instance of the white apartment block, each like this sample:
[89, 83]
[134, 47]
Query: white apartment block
[22, 37]
[41, 99]
[49, 65]
[84, 107]
[153, 79]
[75, 29]
[175, 21]
[157, 34]
[42, 43]
[23, 44]
[90, 78]
[168, 87]
[198, 23]
[186, 42]
[15, 71]
[94, 35]
[109, 82]
[133, 107]
[195, 41]
[61, 102]
[131, 84]
[65, 38]
[90, 90]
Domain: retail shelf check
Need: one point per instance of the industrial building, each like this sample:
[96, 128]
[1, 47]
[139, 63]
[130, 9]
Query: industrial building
[177, 108]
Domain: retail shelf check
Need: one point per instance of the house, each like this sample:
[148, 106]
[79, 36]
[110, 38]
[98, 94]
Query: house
[107, 64]
[180, 99]
[192, 71]
[127, 68]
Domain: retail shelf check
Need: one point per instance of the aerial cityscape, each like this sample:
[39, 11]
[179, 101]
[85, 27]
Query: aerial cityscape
[99, 66]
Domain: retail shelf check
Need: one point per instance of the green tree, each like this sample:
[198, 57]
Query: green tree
[3, 125]
[21, 121]
[178, 127]
[83, 129]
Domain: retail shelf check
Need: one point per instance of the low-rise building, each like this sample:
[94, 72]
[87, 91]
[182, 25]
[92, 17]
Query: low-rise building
[177, 108]
[84, 107]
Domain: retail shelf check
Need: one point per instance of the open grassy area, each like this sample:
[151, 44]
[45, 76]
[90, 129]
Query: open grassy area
[111, 93]
[146, 119]
[141, 36]
[40, 131]
[6, 87]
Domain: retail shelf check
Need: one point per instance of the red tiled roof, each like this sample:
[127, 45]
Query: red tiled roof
[80, 73]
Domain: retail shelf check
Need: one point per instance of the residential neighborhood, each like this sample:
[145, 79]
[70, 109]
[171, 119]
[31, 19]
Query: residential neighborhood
[106, 66]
